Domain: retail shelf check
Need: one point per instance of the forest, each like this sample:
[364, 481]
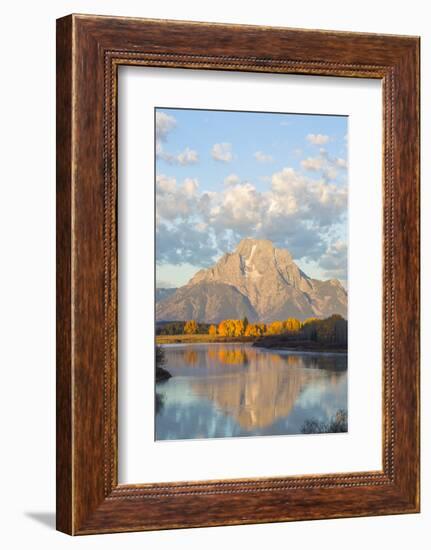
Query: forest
[330, 331]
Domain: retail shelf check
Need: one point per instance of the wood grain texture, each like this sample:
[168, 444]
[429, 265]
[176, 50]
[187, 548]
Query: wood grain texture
[64, 497]
[90, 49]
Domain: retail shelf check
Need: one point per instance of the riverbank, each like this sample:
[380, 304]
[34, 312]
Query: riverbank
[162, 374]
[201, 339]
[275, 342]
[280, 343]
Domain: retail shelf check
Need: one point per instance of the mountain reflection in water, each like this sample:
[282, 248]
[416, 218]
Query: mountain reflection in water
[225, 390]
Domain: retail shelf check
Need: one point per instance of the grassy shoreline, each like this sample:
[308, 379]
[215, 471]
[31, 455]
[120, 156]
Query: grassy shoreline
[266, 342]
[313, 348]
[280, 342]
[201, 339]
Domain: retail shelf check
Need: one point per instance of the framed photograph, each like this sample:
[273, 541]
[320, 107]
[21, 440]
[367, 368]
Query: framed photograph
[237, 274]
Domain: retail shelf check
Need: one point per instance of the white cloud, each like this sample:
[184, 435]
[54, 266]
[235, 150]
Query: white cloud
[326, 165]
[237, 208]
[222, 152]
[262, 157]
[318, 201]
[318, 139]
[175, 201]
[184, 243]
[334, 261]
[313, 164]
[232, 179]
[201, 227]
[296, 212]
[186, 157]
[164, 124]
[190, 187]
[164, 184]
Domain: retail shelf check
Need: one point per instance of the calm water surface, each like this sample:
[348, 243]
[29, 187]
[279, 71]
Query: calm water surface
[231, 390]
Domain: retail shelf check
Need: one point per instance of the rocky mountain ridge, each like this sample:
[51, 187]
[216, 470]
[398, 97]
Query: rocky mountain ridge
[256, 280]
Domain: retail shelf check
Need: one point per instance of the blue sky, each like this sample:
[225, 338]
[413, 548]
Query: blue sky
[222, 176]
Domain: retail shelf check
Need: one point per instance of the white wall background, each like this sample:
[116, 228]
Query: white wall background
[27, 289]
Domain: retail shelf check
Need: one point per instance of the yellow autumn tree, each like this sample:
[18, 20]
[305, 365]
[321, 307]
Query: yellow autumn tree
[191, 327]
[292, 324]
[239, 327]
[310, 320]
[255, 329]
[223, 328]
[227, 328]
[212, 331]
[250, 330]
[276, 327]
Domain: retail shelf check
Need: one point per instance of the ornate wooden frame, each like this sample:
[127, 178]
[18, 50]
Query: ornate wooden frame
[89, 51]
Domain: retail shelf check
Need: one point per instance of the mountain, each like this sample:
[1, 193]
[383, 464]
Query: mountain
[206, 303]
[162, 293]
[256, 280]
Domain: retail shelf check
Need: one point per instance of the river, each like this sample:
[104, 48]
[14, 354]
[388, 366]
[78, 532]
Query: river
[235, 390]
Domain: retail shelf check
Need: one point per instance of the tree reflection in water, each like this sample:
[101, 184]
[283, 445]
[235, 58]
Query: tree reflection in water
[235, 389]
[159, 402]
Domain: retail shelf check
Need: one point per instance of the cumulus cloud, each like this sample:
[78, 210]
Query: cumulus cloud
[164, 124]
[318, 139]
[165, 184]
[315, 202]
[188, 156]
[222, 152]
[237, 209]
[296, 212]
[334, 261]
[173, 201]
[329, 167]
[231, 179]
[262, 157]
[313, 164]
[184, 243]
